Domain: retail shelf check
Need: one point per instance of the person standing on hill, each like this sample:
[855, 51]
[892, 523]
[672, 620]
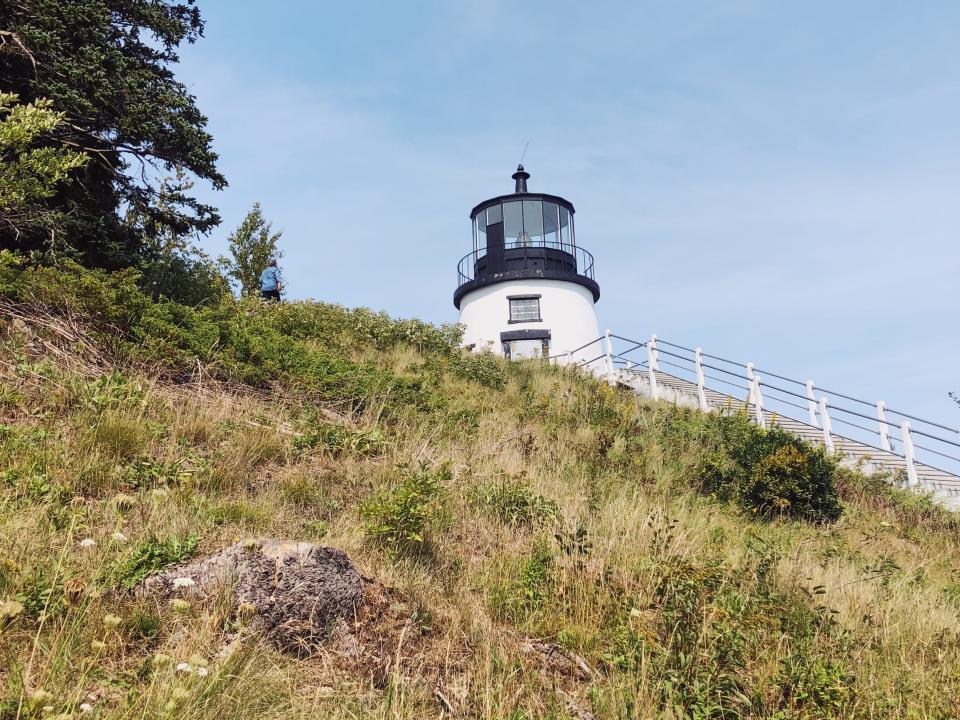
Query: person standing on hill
[270, 284]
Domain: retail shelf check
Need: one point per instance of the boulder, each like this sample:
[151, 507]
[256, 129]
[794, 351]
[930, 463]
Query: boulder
[293, 593]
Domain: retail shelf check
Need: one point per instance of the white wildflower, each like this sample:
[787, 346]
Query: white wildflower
[39, 698]
[119, 537]
[183, 582]
[86, 708]
[88, 544]
[185, 668]
[111, 622]
[202, 672]
[180, 606]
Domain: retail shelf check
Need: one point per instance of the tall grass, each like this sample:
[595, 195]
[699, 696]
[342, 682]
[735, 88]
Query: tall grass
[507, 502]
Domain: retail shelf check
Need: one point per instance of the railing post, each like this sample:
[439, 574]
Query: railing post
[758, 402]
[751, 400]
[908, 455]
[569, 357]
[812, 404]
[701, 391]
[609, 354]
[827, 428]
[656, 353]
[652, 366]
[882, 421]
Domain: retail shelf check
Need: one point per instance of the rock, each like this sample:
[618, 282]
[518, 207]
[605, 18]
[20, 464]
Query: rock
[293, 593]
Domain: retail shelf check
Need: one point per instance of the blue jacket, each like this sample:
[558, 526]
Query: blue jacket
[269, 279]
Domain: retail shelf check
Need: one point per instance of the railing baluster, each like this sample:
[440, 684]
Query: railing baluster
[609, 355]
[652, 366]
[882, 420]
[908, 454]
[827, 429]
[701, 391]
[812, 404]
[758, 402]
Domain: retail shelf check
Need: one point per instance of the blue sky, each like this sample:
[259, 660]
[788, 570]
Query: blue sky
[774, 181]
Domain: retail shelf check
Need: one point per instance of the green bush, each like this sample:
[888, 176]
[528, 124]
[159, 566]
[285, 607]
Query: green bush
[402, 518]
[483, 368]
[304, 346]
[769, 472]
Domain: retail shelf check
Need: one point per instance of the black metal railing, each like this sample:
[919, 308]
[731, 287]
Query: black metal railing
[525, 257]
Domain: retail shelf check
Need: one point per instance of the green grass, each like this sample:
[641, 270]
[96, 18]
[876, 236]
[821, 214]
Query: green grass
[701, 567]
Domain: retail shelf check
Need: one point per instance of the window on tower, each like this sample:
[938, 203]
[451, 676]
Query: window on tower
[524, 309]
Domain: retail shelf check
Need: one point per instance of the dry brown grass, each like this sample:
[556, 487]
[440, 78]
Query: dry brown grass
[223, 464]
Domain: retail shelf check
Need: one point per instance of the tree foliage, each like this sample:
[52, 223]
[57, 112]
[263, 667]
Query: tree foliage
[252, 247]
[107, 65]
[30, 174]
[174, 267]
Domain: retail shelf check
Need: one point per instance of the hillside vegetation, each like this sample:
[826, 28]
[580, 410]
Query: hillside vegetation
[538, 544]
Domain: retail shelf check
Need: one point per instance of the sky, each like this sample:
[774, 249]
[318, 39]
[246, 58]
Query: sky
[772, 181]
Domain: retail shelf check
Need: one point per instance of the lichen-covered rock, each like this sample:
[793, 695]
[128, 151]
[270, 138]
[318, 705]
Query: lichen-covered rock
[291, 592]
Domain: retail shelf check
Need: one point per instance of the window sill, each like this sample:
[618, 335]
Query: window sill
[516, 322]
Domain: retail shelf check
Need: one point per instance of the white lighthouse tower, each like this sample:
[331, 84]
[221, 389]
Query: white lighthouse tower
[527, 289]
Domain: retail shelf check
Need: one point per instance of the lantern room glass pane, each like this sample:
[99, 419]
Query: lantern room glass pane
[513, 223]
[565, 228]
[481, 234]
[551, 224]
[494, 215]
[532, 223]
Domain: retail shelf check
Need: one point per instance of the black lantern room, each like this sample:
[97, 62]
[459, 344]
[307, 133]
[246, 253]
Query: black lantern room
[524, 236]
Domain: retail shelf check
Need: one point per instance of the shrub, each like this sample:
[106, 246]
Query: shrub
[300, 345]
[402, 519]
[483, 368]
[769, 472]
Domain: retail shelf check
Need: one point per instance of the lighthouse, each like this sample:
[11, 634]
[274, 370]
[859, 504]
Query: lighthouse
[527, 290]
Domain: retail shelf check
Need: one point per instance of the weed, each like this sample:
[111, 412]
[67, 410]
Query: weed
[525, 586]
[149, 557]
[402, 518]
[338, 440]
[515, 503]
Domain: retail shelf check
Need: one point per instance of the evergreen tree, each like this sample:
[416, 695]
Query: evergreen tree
[173, 265]
[29, 173]
[252, 247]
[107, 65]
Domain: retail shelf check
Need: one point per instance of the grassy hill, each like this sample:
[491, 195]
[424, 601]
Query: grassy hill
[539, 544]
